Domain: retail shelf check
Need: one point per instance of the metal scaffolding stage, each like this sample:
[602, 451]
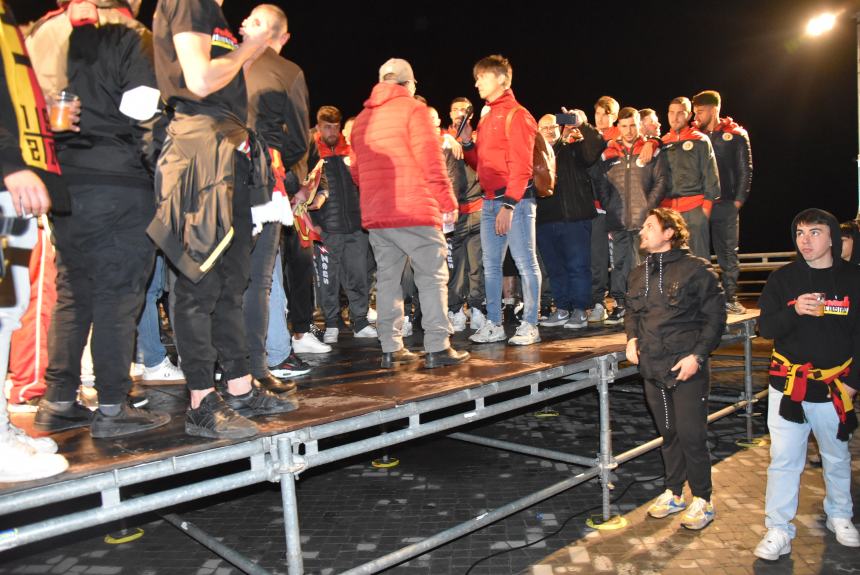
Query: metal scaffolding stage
[355, 409]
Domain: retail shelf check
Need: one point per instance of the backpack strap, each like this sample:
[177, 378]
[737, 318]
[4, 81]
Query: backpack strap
[509, 118]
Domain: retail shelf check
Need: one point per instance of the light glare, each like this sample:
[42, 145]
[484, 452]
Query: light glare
[821, 24]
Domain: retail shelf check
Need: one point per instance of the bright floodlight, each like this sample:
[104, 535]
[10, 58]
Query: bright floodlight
[821, 24]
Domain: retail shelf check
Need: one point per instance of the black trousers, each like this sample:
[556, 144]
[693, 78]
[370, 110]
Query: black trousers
[208, 320]
[104, 259]
[298, 280]
[681, 415]
[465, 263]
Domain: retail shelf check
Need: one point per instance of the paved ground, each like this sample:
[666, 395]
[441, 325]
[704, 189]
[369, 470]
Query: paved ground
[351, 513]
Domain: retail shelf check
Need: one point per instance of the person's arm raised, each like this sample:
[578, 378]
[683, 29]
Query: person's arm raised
[205, 75]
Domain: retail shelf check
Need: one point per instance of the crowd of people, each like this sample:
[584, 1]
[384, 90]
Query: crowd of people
[187, 164]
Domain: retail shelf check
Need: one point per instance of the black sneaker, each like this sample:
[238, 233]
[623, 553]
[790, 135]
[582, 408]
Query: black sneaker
[616, 317]
[402, 355]
[735, 307]
[258, 401]
[137, 398]
[290, 367]
[276, 385]
[214, 418]
[51, 419]
[445, 357]
[127, 422]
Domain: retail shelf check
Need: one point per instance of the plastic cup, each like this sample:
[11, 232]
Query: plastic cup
[819, 299]
[61, 111]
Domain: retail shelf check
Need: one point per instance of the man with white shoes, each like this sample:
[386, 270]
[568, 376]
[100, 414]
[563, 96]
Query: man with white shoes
[808, 308]
[341, 257]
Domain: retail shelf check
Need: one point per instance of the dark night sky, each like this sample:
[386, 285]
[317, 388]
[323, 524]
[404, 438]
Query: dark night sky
[796, 97]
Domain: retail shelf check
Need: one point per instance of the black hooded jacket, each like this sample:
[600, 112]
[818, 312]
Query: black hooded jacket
[675, 307]
[826, 341]
[573, 198]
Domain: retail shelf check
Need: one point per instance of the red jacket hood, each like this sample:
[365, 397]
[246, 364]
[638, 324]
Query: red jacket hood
[726, 125]
[617, 149]
[340, 149]
[385, 91]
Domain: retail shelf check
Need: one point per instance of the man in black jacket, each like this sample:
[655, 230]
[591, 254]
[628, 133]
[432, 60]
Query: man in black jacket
[734, 162]
[342, 256]
[809, 309]
[103, 255]
[632, 188]
[278, 112]
[564, 221]
[675, 317]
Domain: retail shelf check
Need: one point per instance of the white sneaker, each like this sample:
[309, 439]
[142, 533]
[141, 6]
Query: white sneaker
[458, 320]
[477, 319]
[526, 334]
[846, 533]
[489, 333]
[406, 330]
[20, 462]
[578, 319]
[37, 444]
[597, 313]
[371, 315]
[164, 371]
[331, 334]
[367, 331]
[775, 543]
[136, 369]
[310, 344]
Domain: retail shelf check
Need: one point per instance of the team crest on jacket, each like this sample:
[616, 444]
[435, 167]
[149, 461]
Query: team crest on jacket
[640, 163]
[687, 146]
[727, 136]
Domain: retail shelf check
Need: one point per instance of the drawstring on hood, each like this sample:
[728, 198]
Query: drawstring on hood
[659, 274]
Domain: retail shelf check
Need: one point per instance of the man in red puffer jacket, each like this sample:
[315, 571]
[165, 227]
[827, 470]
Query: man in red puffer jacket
[406, 196]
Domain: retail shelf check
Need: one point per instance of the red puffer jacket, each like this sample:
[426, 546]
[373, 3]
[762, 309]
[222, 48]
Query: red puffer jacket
[397, 162]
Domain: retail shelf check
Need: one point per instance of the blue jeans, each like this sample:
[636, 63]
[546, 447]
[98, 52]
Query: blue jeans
[278, 345]
[788, 459]
[150, 350]
[521, 240]
[566, 251]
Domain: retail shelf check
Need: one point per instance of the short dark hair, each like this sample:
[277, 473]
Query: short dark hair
[497, 64]
[811, 216]
[628, 112]
[329, 114]
[670, 219]
[645, 112]
[684, 101]
[461, 100]
[707, 98]
[609, 104]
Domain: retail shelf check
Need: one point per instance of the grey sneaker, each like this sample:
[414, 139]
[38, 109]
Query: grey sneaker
[578, 320]
[735, 307]
[558, 317]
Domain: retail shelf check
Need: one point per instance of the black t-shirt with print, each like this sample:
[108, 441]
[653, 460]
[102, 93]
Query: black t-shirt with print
[205, 17]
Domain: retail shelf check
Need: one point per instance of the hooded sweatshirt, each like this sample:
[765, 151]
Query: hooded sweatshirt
[824, 342]
[397, 162]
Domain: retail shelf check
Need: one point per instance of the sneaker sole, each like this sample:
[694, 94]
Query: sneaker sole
[98, 434]
[57, 428]
[613, 321]
[288, 373]
[524, 342]
[773, 556]
[576, 325]
[667, 514]
[552, 323]
[697, 527]
[198, 431]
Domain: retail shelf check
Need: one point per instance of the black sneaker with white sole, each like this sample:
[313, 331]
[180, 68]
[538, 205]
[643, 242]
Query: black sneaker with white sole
[291, 367]
[616, 317]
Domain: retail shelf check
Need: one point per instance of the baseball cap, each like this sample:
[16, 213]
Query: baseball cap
[399, 68]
